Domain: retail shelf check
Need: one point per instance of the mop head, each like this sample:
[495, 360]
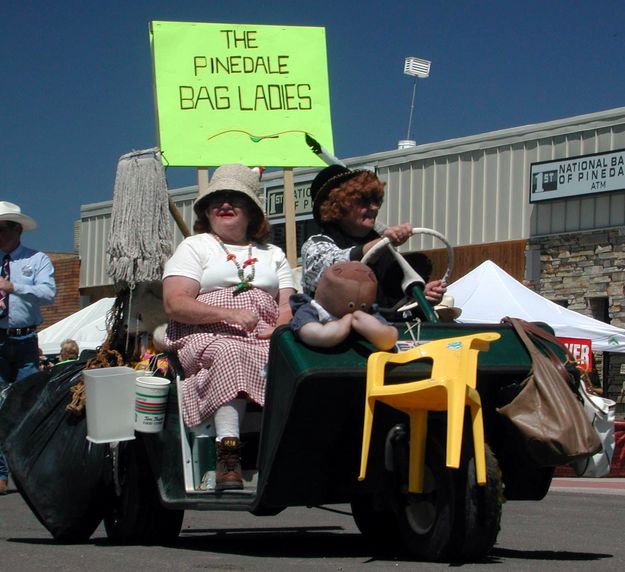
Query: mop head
[140, 239]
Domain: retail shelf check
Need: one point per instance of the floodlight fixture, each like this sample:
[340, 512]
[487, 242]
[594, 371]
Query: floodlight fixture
[417, 68]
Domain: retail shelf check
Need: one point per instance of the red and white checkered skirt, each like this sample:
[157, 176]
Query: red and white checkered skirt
[222, 361]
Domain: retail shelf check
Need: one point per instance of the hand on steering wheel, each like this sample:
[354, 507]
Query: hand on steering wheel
[385, 242]
[398, 234]
[411, 277]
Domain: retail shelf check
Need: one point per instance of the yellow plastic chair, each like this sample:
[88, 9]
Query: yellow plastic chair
[451, 387]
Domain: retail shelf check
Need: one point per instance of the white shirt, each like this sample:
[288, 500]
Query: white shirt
[201, 258]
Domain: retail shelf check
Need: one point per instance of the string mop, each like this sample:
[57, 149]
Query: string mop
[140, 238]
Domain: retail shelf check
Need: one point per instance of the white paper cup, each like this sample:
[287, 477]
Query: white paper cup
[150, 403]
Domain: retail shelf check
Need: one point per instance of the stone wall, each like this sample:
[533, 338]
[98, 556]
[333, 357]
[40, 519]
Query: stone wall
[582, 269]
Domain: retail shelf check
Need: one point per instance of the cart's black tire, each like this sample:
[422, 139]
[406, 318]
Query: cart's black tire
[137, 516]
[478, 508]
[425, 520]
[375, 520]
[527, 482]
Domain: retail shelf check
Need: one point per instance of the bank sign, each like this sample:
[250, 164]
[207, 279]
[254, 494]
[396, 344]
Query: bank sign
[274, 201]
[584, 175]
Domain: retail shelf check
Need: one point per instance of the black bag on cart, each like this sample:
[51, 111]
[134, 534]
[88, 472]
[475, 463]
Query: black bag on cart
[58, 472]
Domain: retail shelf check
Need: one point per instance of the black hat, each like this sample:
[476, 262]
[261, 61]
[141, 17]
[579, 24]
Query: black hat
[326, 180]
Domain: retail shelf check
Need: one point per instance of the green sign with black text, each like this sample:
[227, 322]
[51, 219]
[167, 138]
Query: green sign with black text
[231, 93]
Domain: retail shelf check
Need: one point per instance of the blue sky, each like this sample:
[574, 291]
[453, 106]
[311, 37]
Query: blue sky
[77, 84]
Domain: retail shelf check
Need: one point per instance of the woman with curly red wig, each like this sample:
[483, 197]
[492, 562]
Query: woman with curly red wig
[346, 204]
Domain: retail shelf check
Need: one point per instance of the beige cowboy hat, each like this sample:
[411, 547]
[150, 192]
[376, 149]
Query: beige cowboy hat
[10, 211]
[233, 177]
[446, 310]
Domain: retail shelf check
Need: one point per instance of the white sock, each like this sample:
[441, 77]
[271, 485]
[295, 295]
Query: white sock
[228, 419]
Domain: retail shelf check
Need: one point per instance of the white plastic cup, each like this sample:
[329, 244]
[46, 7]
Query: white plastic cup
[110, 399]
[150, 403]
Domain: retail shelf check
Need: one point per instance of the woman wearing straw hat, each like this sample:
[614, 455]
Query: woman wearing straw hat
[26, 283]
[224, 290]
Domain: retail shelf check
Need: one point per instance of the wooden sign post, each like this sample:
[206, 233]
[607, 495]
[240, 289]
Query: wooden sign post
[289, 217]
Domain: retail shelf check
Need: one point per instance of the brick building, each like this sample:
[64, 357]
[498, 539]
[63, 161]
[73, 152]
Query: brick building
[67, 276]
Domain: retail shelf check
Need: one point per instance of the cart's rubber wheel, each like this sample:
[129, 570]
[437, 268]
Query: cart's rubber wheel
[424, 520]
[375, 520]
[523, 479]
[136, 516]
[535, 487]
[478, 508]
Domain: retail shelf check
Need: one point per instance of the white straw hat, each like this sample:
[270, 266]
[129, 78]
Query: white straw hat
[10, 211]
[233, 177]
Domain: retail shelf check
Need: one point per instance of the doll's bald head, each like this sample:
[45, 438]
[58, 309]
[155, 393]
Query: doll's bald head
[346, 287]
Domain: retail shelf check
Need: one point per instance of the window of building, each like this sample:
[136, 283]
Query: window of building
[600, 308]
[564, 303]
[303, 229]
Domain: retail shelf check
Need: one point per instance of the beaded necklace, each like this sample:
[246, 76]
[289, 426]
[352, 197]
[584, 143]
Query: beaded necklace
[245, 282]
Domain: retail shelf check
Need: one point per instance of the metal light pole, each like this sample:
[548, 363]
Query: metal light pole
[415, 67]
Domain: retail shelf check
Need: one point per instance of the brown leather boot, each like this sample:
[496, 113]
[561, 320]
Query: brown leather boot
[228, 474]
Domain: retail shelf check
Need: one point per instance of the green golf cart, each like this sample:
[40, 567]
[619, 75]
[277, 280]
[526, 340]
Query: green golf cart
[305, 448]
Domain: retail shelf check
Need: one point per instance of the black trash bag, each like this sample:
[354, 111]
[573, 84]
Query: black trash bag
[62, 476]
[22, 399]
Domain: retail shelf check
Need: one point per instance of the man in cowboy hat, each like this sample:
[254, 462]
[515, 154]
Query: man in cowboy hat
[26, 283]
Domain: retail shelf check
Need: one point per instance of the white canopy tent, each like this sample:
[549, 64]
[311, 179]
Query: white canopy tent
[487, 294]
[87, 327]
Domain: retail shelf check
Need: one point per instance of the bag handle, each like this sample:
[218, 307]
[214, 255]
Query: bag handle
[523, 328]
[540, 333]
[534, 330]
[546, 336]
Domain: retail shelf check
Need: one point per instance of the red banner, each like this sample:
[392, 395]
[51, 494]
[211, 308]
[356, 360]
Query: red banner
[581, 350]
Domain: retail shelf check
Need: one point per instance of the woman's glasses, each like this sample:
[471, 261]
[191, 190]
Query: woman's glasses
[233, 198]
[368, 201]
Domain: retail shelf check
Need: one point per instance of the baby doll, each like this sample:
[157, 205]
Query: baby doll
[343, 302]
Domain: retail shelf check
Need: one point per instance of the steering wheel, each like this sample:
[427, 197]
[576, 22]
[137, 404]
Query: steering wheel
[411, 276]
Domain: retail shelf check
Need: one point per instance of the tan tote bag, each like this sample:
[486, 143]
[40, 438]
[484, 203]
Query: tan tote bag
[547, 412]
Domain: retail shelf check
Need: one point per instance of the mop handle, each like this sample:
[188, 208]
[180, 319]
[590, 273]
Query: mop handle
[182, 226]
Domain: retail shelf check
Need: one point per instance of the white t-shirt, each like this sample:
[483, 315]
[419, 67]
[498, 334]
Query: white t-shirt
[201, 258]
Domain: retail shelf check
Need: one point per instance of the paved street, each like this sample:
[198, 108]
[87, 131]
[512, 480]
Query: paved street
[590, 486]
[578, 526]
